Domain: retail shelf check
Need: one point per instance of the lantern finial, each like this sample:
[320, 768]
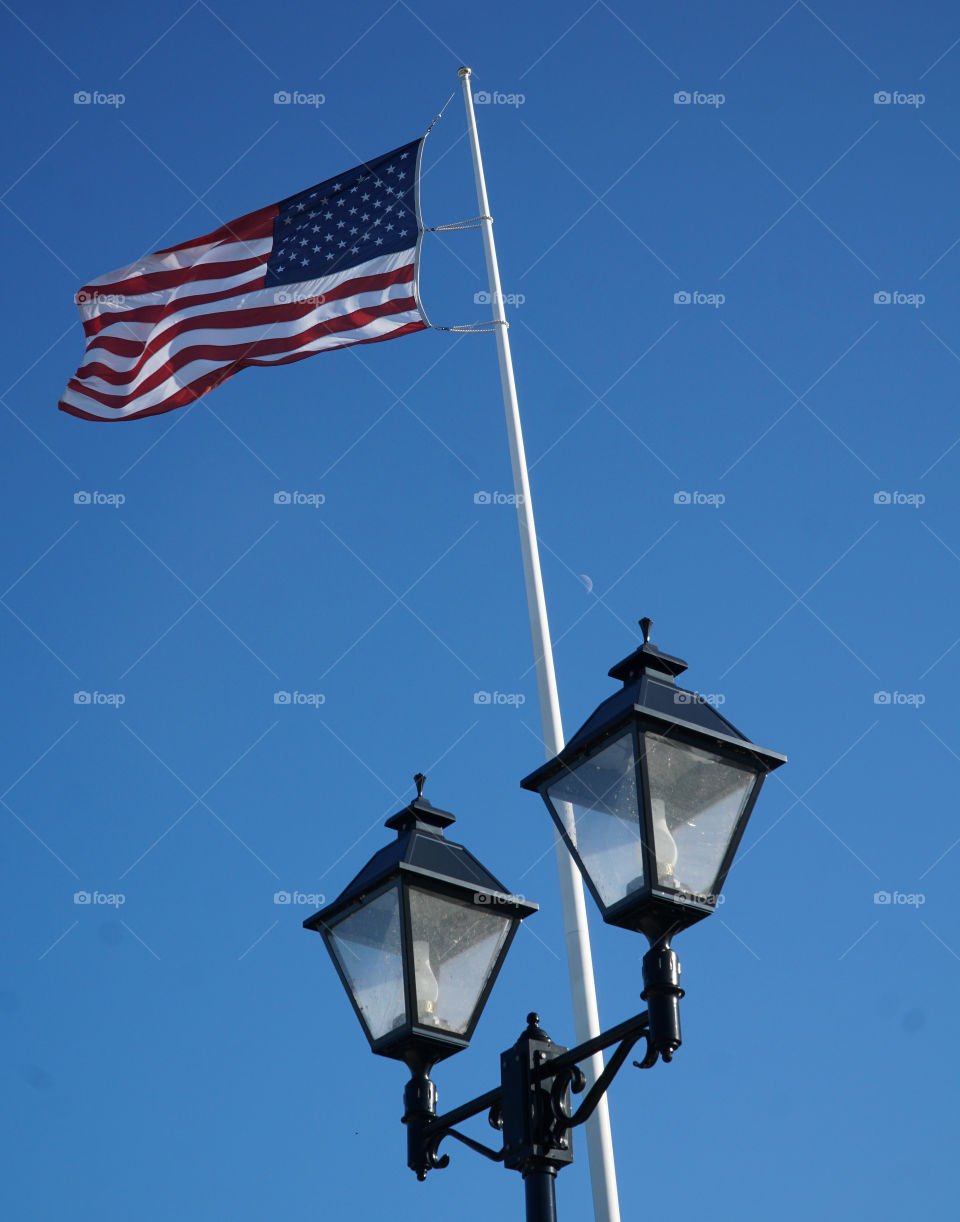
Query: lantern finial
[645, 625]
[419, 780]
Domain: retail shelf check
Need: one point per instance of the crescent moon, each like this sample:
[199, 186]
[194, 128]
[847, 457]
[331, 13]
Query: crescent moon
[588, 582]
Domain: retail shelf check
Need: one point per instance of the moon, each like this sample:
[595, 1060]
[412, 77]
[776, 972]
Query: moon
[588, 582]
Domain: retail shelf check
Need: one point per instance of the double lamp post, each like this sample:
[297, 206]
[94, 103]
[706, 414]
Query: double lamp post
[651, 796]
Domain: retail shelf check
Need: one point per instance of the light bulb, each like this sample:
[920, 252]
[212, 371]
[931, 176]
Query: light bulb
[664, 843]
[428, 989]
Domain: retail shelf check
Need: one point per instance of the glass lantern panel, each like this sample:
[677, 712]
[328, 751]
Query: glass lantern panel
[697, 799]
[366, 944]
[597, 801]
[457, 947]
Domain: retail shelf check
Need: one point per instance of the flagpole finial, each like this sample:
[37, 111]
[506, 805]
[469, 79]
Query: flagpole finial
[418, 780]
[645, 625]
[464, 71]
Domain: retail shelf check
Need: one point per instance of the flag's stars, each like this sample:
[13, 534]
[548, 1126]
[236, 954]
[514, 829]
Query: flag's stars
[354, 250]
[303, 241]
[403, 173]
[329, 254]
[377, 204]
[354, 229]
[328, 216]
[288, 220]
[315, 249]
[301, 206]
[403, 233]
[340, 224]
[389, 226]
[378, 220]
[391, 169]
[303, 262]
[377, 182]
[403, 156]
[379, 241]
[279, 270]
[353, 211]
[329, 237]
[341, 244]
[364, 198]
[365, 217]
[337, 186]
[316, 229]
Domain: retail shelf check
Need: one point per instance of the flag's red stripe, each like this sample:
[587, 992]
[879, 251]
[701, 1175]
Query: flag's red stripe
[258, 224]
[158, 282]
[261, 347]
[154, 313]
[189, 394]
[228, 320]
[347, 288]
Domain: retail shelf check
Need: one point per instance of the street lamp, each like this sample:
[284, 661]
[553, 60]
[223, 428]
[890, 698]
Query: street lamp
[651, 796]
[419, 937]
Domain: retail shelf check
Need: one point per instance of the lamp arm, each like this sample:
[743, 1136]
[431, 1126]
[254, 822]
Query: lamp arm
[495, 1156]
[565, 1071]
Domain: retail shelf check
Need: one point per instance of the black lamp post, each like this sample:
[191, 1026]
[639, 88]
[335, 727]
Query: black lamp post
[651, 796]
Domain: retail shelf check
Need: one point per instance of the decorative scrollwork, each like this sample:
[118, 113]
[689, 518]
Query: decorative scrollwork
[650, 1056]
[572, 1077]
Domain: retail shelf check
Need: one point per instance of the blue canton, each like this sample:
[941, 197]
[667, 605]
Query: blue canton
[366, 212]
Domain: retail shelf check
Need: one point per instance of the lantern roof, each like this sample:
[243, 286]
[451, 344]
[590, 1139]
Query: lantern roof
[650, 688]
[420, 849]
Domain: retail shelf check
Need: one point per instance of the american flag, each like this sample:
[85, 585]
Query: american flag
[332, 266]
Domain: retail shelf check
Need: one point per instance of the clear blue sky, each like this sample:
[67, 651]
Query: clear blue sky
[190, 1054]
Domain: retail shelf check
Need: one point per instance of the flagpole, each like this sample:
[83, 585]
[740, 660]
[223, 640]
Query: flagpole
[583, 991]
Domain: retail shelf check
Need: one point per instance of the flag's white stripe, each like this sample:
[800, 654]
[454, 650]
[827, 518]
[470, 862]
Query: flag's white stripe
[220, 337]
[260, 299]
[196, 369]
[142, 331]
[117, 305]
[174, 260]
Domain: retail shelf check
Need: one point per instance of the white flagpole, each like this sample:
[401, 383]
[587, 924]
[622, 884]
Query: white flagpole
[586, 1019]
